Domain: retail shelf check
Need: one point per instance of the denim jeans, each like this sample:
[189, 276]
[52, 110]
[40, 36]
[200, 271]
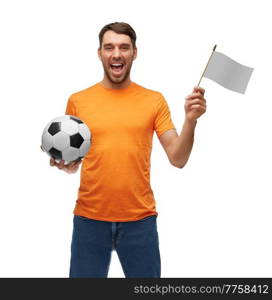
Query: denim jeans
[136, 244]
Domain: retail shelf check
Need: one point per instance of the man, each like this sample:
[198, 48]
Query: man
[115, 208]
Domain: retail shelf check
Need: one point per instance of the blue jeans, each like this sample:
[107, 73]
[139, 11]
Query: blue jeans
[136, 244]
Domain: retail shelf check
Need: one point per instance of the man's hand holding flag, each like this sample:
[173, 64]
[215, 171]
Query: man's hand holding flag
[195, 104]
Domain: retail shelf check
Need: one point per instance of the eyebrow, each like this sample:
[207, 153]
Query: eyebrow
[110, 44]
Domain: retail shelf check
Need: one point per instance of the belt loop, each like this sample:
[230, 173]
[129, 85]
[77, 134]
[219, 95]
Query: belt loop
[113, 232]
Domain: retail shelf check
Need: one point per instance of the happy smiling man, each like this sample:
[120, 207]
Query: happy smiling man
[115, 208]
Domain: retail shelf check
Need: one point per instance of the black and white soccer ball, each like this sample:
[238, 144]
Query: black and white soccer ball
[66, 138]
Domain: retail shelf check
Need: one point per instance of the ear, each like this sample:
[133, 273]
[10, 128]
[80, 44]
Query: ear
[135, 50]
[99, 53]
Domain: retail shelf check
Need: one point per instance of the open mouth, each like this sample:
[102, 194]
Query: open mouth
[117, 67]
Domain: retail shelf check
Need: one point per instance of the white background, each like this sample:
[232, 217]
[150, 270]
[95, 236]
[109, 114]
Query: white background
[214, 214]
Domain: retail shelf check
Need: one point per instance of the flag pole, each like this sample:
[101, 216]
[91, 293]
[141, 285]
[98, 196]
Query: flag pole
[207, 64]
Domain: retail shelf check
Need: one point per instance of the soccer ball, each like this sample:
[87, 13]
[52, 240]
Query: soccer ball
[66, 138]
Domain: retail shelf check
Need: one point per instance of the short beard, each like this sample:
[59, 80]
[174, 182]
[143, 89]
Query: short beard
[116, 80]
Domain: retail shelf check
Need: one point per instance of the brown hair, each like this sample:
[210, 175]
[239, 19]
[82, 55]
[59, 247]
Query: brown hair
[121, 28]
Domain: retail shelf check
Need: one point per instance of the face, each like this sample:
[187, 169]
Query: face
[117, 55]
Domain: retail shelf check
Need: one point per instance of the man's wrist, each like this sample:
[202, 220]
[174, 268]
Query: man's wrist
[190, 122]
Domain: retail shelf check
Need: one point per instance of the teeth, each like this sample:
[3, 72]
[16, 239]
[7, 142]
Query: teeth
[117, 65]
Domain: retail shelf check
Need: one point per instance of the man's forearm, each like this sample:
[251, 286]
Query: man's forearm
[183, 144]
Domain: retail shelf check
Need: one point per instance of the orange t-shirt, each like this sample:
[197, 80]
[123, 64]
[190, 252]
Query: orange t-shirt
[115, 173]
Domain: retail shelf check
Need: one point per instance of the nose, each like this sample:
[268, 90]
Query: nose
[116, 52]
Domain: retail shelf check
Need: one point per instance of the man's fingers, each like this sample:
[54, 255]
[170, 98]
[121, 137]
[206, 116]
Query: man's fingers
[74, 165]
[71, 164]
[76, 162]
[194, 101]
[61, 165]
[194, 95]
[69, 168]
[198, 107]
[199, 89]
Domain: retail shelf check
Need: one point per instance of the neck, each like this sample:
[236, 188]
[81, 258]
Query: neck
[111, 85]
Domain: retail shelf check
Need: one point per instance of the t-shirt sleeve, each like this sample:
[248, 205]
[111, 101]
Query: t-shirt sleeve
[163, 121]
[70, 107]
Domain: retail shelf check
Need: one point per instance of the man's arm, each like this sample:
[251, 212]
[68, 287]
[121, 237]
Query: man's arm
[178, 147]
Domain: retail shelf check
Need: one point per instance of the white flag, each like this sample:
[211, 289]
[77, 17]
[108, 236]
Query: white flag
[228, 73]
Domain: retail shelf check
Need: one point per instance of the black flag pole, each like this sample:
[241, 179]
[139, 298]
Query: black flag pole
[207, 64]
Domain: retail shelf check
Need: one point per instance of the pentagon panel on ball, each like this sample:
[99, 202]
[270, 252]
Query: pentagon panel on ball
[66, 138]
